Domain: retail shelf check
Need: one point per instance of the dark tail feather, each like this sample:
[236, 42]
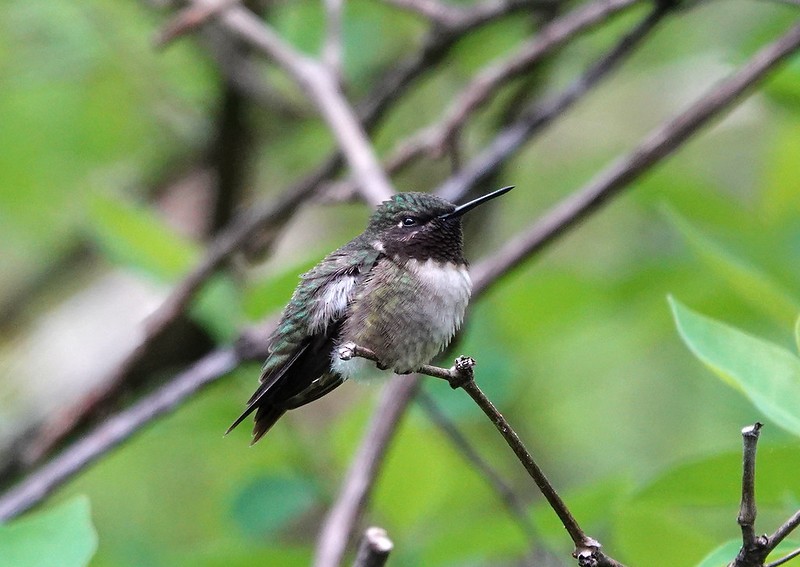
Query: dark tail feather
[266, 417]
[250, 409]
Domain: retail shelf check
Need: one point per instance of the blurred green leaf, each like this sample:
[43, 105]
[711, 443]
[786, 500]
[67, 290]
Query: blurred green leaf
[769, 375]
[594, 504]
[268, 503]
[695, 504]
[797, 334]
[748, 281]
[273, 292]
[725, 553]
[135, 236]
[722, 555]
[62, 537]
[218, 308]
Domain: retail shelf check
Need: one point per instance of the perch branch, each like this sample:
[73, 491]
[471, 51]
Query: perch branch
[461, 375]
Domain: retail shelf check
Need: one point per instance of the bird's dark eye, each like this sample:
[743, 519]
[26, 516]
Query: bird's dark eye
[409, 221]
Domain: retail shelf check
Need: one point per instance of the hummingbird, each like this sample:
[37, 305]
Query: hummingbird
[399, 289]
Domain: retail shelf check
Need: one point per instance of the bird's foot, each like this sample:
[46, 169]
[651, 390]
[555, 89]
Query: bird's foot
[350, 350]
[347, 351]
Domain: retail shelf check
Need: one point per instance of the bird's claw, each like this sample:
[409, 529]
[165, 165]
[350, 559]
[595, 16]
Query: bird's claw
[347, 351]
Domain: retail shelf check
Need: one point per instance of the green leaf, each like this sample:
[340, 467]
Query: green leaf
[695, 503]
[769, 375]
[134, 236]
[60, 537]
[725, 553]
[722, 555]
[748, 281]
[269, 503]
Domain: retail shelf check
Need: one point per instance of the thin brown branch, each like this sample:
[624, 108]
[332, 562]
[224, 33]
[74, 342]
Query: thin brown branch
[113, 431]
[747, 509]
[784, 530]
[340, 522]
[332, 47]
[785, 559]
[374, 549]
[490, 80]
[461, 375]
[754, 549]
[322, 87]
[657, 146]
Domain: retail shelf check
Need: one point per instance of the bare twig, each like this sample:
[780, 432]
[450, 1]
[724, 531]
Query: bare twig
[785, 559]
[322, 88]
[345, 512]
[114, 430]
[754, 549]
[332, 47]
[374, 549]
[660, 144]
[461, 375]
[784, 530]
[747, 509]
[489, 81]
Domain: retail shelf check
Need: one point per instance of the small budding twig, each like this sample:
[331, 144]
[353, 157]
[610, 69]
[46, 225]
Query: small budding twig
[374, 549]
[754, 548]
[461, 375]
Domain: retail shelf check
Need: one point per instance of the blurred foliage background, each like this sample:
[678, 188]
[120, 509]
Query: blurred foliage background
[106, 186]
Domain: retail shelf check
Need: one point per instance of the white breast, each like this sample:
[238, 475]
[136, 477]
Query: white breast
[448, 286]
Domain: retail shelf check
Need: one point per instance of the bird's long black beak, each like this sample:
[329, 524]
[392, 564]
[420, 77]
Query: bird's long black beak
[461, 209]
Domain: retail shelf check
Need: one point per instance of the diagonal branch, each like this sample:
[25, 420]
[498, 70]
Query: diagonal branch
[114, 430]
[657, 146]
[461, 375]
[322, 87]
